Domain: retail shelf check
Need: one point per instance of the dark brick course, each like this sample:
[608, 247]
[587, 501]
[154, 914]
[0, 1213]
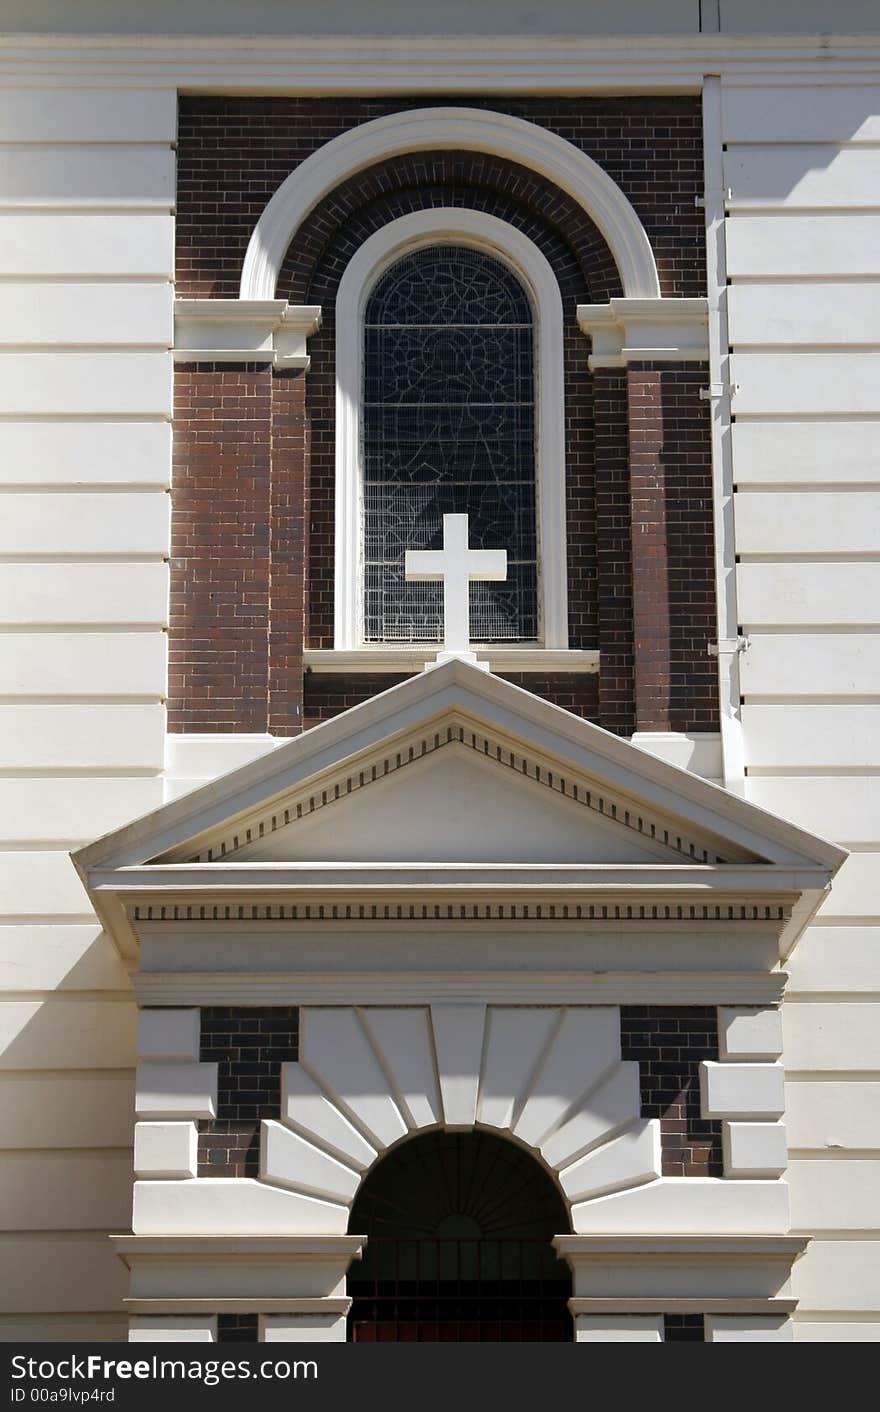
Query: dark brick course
[668, 1042]
[237, 1328]
[249, 1045]
[683, 1328]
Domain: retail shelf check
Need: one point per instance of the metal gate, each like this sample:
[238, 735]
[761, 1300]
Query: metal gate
[460, 1290]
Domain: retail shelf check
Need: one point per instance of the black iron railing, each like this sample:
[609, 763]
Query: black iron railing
[459, 1290]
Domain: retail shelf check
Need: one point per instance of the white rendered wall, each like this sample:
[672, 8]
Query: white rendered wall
[803, 235]
[85, 401]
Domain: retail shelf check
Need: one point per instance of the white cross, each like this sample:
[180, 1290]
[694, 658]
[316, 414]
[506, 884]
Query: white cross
[456, 566]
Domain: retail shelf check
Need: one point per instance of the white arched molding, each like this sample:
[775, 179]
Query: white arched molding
[474, 229]
[461, 129]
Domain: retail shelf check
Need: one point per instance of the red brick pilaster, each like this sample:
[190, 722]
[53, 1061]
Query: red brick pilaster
[218, 647]
[650, 569]
[289, 526]
[613, 552]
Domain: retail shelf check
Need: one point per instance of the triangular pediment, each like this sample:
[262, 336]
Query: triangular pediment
[448, 800]
[456, 780]
[440, 750]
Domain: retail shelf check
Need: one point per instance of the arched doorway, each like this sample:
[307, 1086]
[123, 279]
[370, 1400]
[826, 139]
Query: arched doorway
[459, 1229]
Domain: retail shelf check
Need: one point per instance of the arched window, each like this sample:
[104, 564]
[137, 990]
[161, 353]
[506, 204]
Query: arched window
[459, 1247]
[448, 427]
[449, 398]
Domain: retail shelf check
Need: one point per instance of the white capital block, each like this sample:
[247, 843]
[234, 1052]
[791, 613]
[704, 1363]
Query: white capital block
[232, 1206]
[173, 1328]
[168, 1034]
[749, 1328]
[166, 1149]
[176, 1090]
[618, 1328]
[741, 1090]
[302, 1328]
[745, 1032]
[754, 1149]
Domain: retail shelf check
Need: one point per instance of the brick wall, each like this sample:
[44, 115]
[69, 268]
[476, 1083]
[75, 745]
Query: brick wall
[668, 1042]
[249, 1044]
[252, 565]
[327, 696]
[233, 153]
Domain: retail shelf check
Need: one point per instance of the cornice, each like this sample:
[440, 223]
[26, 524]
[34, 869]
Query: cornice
[189, 1248]
[433, 64]
[710, 987]
[338, 1305]
[646, 1246]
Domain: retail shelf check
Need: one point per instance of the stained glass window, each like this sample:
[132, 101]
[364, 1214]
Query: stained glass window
[448, 428]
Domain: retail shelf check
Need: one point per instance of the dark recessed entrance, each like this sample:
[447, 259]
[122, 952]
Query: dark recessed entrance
[460, 1228]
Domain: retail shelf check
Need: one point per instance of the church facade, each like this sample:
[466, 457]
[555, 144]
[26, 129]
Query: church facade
[442, 494]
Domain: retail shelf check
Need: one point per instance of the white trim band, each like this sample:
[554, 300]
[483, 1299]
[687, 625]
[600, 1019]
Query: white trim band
[412, 659]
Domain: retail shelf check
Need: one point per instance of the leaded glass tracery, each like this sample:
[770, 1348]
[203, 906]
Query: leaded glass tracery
[448, 427]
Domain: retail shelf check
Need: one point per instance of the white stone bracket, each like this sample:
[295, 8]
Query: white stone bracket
[645, 330]
[244, 330]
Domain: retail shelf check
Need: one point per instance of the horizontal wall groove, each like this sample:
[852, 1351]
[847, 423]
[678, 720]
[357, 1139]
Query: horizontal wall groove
[85, 345]
[802, 416]
[832, 1154]
[775, 346]
[89, 772]
[842, 997]
[26, 419]
[91, 558]
[807, 629]
[104, 698]
[11, 1076]
[63, 1154]
[832, 1075]
[163, 281]
[795, 281]
[97, 206]
[103, 629]
[813, 487]
[30, 919]
[853, 698]
[800, 556]
[84, 487]
[812, 771]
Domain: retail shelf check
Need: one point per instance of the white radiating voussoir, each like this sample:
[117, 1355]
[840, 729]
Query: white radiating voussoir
[549, 1078]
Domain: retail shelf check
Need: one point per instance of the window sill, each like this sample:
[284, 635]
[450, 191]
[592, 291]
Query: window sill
[412, 659]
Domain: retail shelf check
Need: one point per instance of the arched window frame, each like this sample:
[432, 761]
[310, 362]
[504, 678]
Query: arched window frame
[501, 240]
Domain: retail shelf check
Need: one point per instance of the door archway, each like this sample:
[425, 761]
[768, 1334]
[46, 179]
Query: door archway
[459, 1228]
